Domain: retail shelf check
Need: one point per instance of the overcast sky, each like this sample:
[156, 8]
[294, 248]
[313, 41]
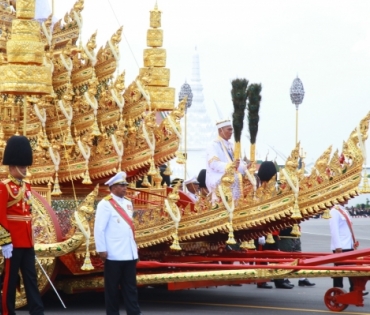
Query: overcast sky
[325, 43]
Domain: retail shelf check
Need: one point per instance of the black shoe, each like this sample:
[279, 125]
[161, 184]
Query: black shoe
[284, 286]
[264, 285]
[305, 283]
[287, 281]
[365, 293]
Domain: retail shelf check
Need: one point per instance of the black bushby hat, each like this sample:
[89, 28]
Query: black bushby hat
[202, 179]
[266, 171]
[18, 151]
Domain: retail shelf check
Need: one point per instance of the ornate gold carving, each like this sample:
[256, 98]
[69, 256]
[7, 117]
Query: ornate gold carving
[25, 52]
[25, 9]
[27, 79]
[162, 98]
[155, 57]
[158, 76]
[155, 17]
[154, 38]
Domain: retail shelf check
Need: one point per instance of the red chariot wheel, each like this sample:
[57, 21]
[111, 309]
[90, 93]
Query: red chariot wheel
[330, 300]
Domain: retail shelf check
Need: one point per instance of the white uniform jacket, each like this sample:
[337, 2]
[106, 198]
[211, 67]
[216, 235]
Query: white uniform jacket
[192, 196]
[341, 236]
[112, 233]
[219, 154]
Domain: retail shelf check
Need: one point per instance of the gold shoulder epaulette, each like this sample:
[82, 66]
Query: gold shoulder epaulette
[109, 197]
[127, 198]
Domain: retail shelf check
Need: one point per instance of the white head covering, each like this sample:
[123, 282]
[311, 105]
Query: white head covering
[192, 180]
[119, 178]
[223, 123]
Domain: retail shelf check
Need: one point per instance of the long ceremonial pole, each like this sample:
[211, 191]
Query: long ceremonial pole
[296, 125]
[185, 147]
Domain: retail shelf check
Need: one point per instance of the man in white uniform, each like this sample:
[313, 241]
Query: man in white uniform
[220, 154]
[115, 243]
[341, 237]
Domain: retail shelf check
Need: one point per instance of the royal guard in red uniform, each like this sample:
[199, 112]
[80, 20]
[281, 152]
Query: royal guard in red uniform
[16, 235]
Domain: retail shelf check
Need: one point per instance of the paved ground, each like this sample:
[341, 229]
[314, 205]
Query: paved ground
[246, 299]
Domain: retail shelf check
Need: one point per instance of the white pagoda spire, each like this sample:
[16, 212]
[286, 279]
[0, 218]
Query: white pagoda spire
[200, 130]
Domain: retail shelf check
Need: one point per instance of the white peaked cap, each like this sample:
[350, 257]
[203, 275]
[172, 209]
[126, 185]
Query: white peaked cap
[223, 123]
[192, 180]
[119, 178]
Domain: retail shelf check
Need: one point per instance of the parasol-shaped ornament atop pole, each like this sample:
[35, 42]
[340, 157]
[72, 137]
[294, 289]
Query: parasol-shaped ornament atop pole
[296, 95]
[185, 92]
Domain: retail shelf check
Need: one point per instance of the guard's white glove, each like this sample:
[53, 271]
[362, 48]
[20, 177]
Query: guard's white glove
[7, 250]
[262, 240]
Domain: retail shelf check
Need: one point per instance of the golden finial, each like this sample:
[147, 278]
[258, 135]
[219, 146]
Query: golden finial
[155, 17]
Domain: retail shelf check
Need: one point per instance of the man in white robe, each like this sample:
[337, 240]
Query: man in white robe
[220, 153]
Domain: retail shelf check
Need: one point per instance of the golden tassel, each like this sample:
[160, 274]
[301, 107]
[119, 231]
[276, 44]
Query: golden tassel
[326, 214]
[180, 158]
[145, 182]
[87, 265]
[175, 244]
[270, 239]
[152, 170]
[168, 170]
[296, 213]
[69, 140]
[244, 244]
[87, 180]
[45, 143]
[248, 244]
[56, 189]
[95, 128]
[295, 230]
[231, 239]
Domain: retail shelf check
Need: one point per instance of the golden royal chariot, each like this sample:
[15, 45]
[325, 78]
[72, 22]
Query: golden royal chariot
[85, 124]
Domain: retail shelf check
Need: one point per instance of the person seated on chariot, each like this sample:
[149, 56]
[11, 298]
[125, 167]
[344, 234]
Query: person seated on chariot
[220, 154]
[175, 181]
[192, 188]
[203, 190]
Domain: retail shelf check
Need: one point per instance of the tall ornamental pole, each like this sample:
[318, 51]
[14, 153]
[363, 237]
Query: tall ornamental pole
[296, 95]
[186, 91]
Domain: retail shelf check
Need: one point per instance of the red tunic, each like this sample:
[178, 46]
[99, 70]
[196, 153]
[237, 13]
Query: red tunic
[17, 219]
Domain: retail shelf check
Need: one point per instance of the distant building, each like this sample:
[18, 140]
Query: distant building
[200, 130]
